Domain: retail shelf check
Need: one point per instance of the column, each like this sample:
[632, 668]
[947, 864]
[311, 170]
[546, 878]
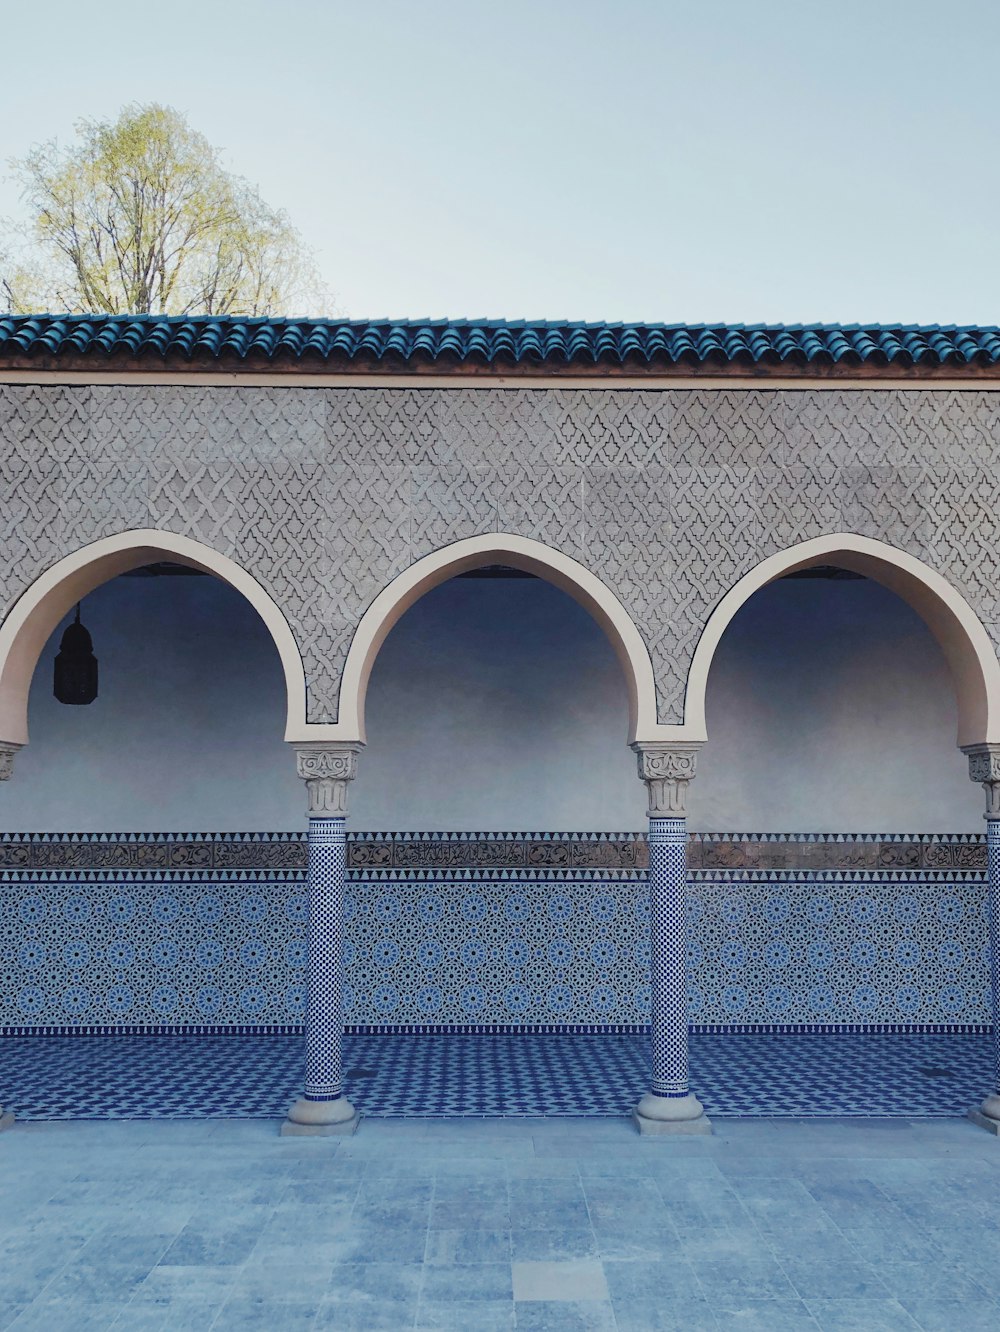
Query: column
[7, 752]
[323, 1107]
[984, 766]
[669, 1106]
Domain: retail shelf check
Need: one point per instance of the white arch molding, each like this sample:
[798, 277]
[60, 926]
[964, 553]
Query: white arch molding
[473, 553]
[40, 608]
[965, 642]
[967, 646]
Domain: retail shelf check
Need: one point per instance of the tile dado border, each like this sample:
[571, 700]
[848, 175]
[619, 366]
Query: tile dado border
[837, 851]
[28, 1032]
[152, 851]
[528, 851]
[376, 852]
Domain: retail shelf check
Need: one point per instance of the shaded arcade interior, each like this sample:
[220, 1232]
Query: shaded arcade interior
[830, 708]
[497, 704]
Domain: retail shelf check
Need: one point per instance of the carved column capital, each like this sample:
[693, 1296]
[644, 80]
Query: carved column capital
[984, 767]
[666, 769]
[7, 751]
[326, 770]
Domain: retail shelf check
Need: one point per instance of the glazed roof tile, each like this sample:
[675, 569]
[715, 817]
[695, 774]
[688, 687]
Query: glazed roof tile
[445, 344]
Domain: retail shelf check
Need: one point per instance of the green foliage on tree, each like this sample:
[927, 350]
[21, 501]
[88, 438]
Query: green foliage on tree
[139, 216]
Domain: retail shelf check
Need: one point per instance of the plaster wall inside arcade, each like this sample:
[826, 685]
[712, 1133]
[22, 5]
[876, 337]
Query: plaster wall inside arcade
[497, 703]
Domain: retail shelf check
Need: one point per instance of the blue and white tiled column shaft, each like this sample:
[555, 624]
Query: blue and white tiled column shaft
[324, 1008]
[993, 860]
[669, 1106]
[984, 767]
[668, 970]
[323, 1107]
[7, 752]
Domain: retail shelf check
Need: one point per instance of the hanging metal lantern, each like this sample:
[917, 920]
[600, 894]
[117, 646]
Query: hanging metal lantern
[74, 679]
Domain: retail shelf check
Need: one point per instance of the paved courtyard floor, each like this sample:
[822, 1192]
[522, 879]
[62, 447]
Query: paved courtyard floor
[472, 1225]
[232, 1077]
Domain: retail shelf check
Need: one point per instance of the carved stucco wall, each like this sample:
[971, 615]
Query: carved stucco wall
[668, 496]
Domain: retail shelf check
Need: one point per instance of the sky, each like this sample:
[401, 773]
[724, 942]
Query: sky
[650, 160]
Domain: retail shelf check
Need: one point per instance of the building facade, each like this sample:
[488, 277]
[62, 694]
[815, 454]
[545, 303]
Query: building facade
[333, 475]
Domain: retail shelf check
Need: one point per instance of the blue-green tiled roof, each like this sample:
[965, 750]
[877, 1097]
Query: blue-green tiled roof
[472, 343]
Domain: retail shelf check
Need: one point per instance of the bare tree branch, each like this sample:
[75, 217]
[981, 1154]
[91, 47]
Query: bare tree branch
[140, 217]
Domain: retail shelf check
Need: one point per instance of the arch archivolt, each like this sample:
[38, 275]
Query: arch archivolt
[966, 644]
[37, 612]
[473, 553]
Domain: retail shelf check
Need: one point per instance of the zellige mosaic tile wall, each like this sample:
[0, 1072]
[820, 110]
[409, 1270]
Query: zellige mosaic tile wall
[490, 931]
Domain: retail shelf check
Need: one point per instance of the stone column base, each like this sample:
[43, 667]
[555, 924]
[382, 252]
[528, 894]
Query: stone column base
[692, 1127]
[987, 1115]
[985, 1122]
[6, 1119]
[320, 1119]
[671, 1114]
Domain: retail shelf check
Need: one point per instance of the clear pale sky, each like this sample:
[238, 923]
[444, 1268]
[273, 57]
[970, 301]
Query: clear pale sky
[772, 160]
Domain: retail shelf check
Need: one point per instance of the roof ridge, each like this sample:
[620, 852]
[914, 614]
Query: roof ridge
[468, 321]
[451, 342]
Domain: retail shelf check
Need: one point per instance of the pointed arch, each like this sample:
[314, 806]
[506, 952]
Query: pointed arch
[965, 642]
[473, 553]
[37, 612]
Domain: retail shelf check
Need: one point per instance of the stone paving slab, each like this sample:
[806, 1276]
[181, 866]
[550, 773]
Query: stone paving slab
[768, 1224]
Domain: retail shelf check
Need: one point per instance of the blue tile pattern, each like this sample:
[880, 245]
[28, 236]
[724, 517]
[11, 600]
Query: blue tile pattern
[393, 343]
[163, 949]
[324, 1020]
[489, 949]
[493, 948]
[668, 940]
[993, 910]
[838, 947]
[194, 1077]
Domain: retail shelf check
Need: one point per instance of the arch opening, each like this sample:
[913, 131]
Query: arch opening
[831, 709]
[967, 647]
[38, 611]
[496, 703]
[514, 552]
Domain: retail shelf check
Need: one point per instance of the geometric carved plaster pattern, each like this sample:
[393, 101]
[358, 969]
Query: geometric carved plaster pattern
[668, 496]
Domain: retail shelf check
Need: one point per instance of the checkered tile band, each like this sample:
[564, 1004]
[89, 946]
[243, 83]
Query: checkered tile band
[668, 961]
[324, 1012]
[993, 860]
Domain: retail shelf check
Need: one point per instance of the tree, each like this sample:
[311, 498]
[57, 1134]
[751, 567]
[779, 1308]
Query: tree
[139, 217]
